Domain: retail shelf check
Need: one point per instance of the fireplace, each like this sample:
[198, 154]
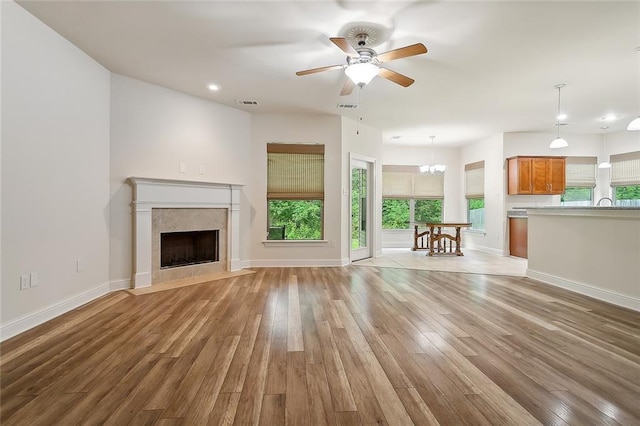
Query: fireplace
[188, 248]
[198, 220]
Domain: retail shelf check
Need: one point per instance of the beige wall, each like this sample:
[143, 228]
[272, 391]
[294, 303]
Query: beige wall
[55, 172]
[153, 130]
[594, 252]
[294, 128]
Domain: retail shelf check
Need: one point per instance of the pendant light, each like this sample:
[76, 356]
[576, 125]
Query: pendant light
[558, 142]
[433, 167]
[604, 164]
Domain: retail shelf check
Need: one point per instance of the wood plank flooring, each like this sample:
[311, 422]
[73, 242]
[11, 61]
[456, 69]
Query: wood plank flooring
[330, 346]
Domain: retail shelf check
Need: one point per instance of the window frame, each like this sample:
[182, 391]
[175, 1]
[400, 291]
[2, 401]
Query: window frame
[293, 183]
[412, 210]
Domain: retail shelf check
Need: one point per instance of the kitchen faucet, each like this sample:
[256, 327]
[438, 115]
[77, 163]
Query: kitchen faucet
[602, 199]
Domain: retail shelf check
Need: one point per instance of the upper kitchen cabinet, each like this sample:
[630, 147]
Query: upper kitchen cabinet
[536, 175]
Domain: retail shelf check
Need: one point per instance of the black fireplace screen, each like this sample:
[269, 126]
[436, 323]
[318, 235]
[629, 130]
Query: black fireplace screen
[188, 248]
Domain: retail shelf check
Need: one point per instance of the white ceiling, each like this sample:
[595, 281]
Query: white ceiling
[491, 66]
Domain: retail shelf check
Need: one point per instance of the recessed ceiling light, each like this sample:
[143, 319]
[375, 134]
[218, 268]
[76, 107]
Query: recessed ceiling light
[562, 116]
[610, 117]
[213, 87]
[395, 138]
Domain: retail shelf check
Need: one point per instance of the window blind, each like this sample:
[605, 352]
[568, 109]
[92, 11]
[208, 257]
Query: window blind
[409, 182]
[581, 172]
[295, 172]
[625, 169]
[474, 180]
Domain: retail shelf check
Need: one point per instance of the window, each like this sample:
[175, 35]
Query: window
[474, 193]
[580, 179]
[410, 196]
[627, 195]
[625, 178]
[577, 196]
[295, 191]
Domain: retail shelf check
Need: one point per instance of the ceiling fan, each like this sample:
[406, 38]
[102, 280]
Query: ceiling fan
[363, 63]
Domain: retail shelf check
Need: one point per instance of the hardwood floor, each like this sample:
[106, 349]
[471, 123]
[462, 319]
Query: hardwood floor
[315, 346]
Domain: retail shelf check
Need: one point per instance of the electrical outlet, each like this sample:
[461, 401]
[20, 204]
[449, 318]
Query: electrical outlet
[33, 279]
[183, 167]
[80, 265]
[202, 169]
[24, 282]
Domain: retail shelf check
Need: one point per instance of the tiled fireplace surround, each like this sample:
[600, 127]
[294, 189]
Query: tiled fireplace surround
[163, 205]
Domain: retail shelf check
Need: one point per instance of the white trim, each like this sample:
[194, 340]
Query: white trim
[296, 263]
[345, 261]
[587, 290]
[300, 243]
[149, 193]
[29, 321]
[370, 165]
[124, 284]
[485, 249]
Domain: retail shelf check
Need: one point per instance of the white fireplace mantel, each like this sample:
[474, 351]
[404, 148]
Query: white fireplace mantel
[149, 193]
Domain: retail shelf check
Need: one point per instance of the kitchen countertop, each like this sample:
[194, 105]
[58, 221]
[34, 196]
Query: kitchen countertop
[576, 208]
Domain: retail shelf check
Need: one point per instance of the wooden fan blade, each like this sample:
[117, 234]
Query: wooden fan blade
[403, 52]
[345, 46]
[321, 69]
[347, 88]
[396, 77]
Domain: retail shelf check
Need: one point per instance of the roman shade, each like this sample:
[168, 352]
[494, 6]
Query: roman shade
[474, 180]
[625, 169]
[581, 172]
[409, 182]
[295, 171]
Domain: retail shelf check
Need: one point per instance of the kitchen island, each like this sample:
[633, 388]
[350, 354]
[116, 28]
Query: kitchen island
[590, 250]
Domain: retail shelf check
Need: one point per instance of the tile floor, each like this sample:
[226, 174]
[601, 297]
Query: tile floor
[473, 261]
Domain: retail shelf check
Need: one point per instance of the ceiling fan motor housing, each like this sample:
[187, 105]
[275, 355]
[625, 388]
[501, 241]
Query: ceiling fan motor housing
[367, 56]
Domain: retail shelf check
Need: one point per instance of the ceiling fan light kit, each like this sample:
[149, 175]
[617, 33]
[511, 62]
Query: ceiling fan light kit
[363, 63]
[558, 142]
[361, 73]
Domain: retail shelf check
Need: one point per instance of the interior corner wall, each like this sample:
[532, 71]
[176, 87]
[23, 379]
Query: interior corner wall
[153, 130]
[488, 150]
[296, 128]
[55, 173]
[363, 140]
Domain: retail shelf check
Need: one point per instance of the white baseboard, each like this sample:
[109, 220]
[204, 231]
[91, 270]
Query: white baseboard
[587, 290]
[484, 249]
[32, 320]
[119, 285]
[296, 263]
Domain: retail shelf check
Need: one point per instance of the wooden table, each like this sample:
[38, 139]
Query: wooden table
[438, 240]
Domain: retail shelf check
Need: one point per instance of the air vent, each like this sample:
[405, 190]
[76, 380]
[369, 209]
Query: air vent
[245, 102]
[347, 106]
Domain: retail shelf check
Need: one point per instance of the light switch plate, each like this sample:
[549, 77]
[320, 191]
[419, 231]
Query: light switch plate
[33, 279]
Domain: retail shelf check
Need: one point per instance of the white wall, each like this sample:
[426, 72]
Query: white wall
[490, 151]
[363, 140]
[55, 172]
[294, 128]
[153, 130]
[593, 252]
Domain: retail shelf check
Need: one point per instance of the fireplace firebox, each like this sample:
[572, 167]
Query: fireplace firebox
[188, 248]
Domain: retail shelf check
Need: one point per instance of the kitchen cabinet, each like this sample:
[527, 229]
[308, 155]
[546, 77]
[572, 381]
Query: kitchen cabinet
[518, 237]
[536, 175]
